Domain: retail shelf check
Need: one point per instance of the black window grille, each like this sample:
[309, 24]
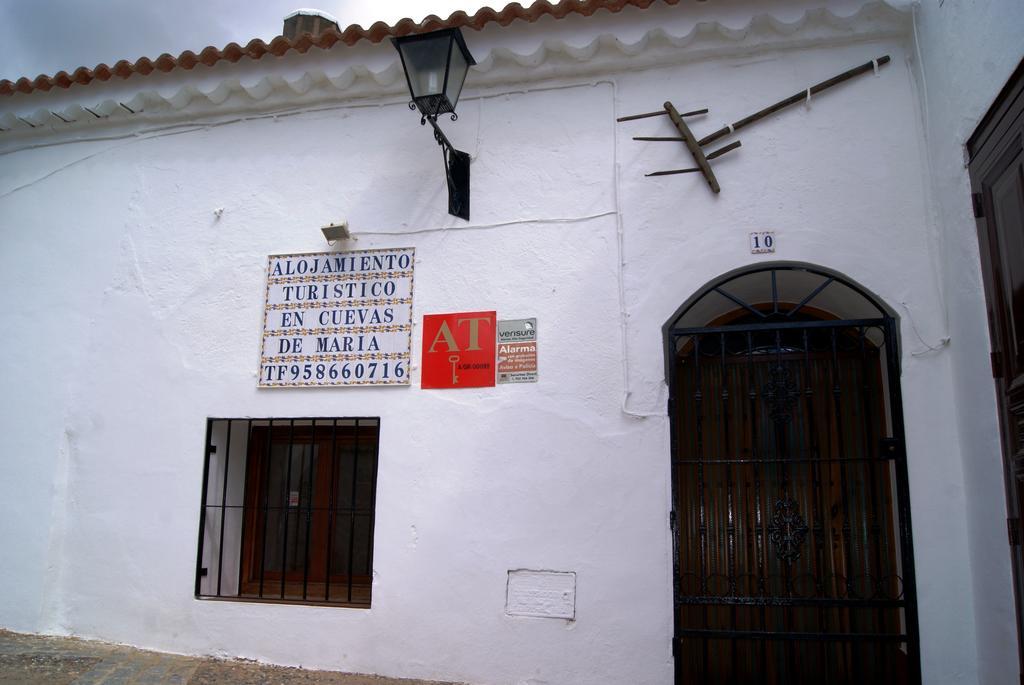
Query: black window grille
[287, 510]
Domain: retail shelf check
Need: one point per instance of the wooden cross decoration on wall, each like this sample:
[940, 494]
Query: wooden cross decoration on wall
[696, 145]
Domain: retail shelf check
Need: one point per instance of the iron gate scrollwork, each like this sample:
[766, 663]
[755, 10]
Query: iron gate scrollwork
[787, 530]
[792, 548]
[780, 394]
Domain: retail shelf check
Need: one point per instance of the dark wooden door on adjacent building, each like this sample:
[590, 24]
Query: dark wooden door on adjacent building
[997, 182]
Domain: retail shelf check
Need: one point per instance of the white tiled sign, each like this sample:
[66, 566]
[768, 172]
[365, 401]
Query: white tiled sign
[338, 318]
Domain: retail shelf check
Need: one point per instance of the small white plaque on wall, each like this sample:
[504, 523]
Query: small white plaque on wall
[542, 594]
[762, 242]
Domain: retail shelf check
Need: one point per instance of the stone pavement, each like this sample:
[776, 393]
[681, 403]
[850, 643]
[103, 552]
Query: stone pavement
[35, 660]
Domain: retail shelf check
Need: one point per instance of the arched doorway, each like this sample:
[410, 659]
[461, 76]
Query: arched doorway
[791, 518]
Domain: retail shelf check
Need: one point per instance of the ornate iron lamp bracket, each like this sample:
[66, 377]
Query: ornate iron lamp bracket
[456, 168]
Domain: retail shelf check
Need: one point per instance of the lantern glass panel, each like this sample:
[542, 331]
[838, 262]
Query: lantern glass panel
[456, 74]
[425, 62]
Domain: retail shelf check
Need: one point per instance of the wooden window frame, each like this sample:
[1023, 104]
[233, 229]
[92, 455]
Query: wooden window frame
[333, 502]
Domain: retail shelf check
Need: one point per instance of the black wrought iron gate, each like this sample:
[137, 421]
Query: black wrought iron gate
[793, 557]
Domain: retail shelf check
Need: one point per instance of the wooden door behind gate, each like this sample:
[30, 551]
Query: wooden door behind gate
[789, 494]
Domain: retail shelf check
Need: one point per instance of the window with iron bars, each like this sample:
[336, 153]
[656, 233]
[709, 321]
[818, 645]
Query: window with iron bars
[287, 510]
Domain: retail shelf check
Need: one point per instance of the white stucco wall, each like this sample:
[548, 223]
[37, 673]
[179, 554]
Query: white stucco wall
[840, 190]
[138, 313]
[58, 302]
[968, 51]
[537, 472]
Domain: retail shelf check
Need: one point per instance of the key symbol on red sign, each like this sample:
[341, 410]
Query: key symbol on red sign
[454, 359]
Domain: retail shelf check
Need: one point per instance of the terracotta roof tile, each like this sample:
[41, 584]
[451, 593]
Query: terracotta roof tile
[256, 48]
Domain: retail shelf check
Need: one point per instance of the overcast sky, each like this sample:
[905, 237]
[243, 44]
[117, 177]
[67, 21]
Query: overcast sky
[47, 36]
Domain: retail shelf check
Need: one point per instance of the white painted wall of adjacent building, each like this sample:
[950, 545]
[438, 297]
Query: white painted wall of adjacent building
[135, 312]
[968, 52]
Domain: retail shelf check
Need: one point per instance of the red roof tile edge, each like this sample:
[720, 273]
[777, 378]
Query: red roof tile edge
[256, 48]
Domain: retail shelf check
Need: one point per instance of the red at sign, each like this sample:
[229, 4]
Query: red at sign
[458, 350]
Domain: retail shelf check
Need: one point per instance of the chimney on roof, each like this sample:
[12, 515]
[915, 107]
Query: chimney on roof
[307, 21]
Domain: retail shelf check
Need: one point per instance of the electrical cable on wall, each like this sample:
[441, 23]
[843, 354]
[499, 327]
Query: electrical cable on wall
[943, 341]
[620, 268]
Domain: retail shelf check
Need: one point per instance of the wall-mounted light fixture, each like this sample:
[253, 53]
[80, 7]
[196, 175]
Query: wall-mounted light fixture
[435, 67]
[335, 232]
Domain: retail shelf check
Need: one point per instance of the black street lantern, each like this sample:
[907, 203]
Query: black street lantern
[435, 67]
